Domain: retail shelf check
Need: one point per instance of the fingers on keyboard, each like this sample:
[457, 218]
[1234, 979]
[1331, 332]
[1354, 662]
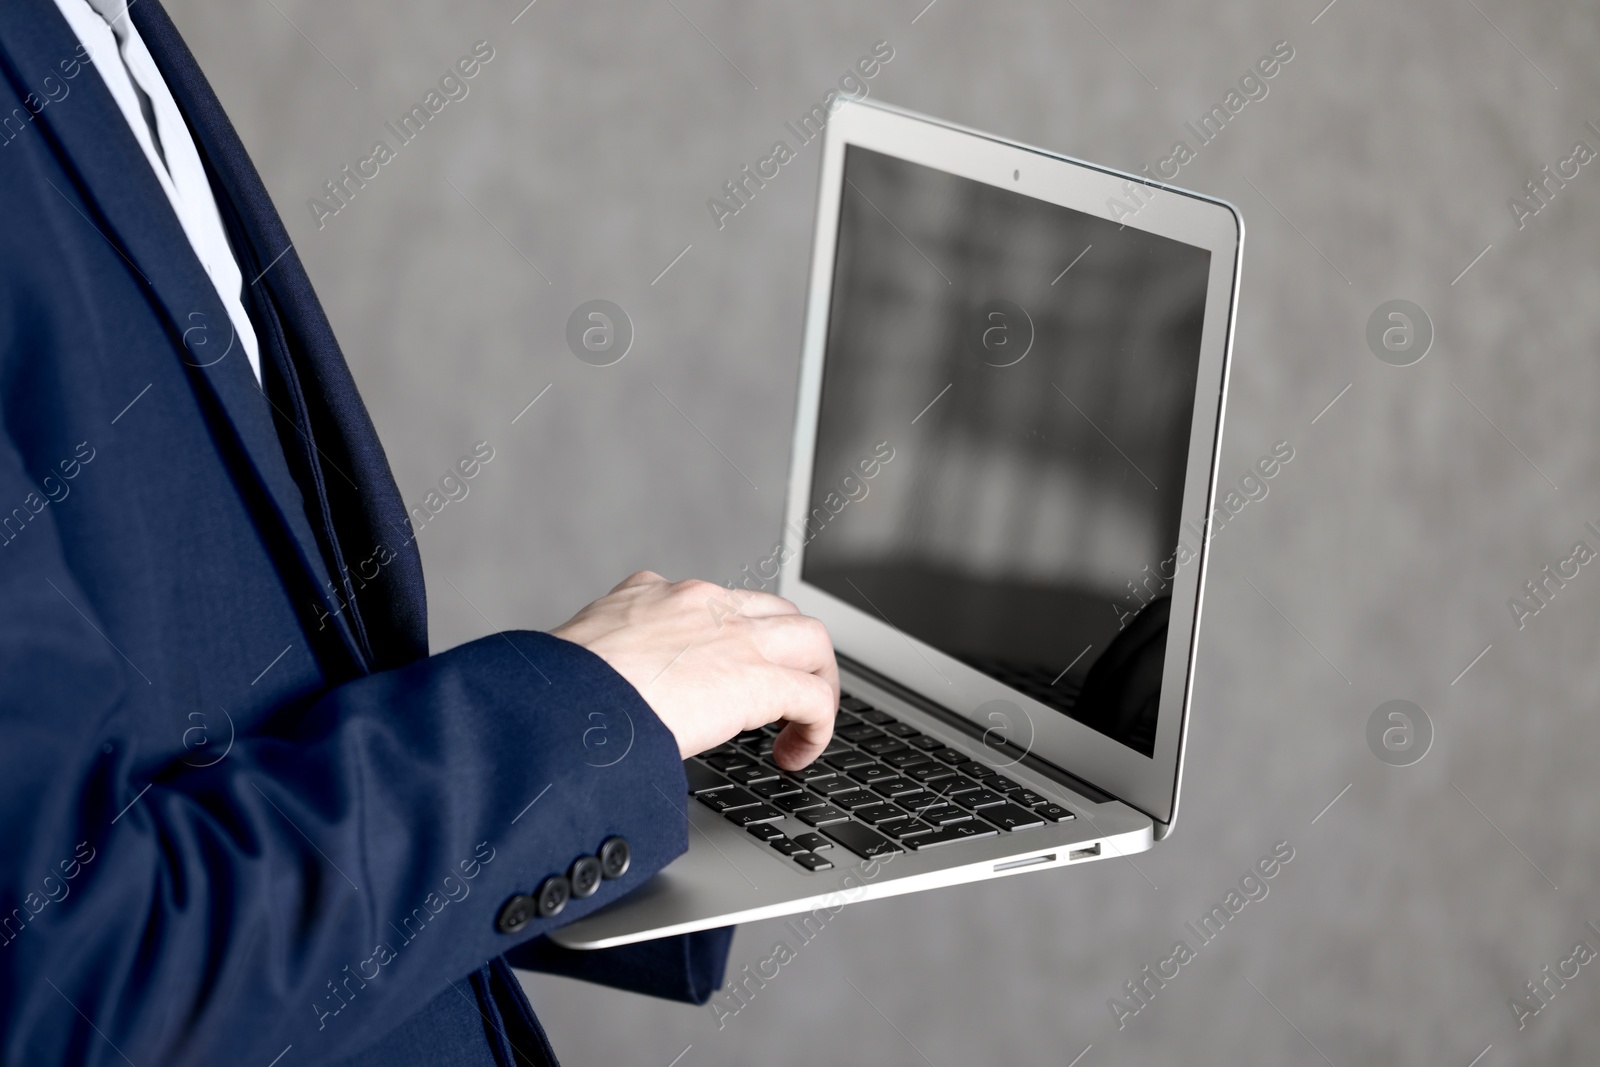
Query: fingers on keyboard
[880, 787]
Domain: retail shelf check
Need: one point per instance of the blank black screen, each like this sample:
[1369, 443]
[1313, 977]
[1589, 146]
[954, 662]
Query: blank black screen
[1029, 373]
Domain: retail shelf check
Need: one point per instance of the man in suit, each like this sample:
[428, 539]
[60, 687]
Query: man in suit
[245, 814]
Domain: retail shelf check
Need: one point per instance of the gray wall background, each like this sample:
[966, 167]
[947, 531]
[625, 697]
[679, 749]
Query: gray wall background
[1382, 560]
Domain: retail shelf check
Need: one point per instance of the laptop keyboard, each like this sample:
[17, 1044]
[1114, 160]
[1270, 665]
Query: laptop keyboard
[880, 787]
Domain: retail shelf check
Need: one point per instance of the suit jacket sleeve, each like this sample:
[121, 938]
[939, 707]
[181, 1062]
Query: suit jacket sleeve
[327, 878]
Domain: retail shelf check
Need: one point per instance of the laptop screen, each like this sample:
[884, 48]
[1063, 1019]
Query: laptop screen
[1003, 432]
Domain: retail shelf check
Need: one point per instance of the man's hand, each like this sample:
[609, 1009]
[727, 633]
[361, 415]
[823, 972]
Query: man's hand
[712, 662]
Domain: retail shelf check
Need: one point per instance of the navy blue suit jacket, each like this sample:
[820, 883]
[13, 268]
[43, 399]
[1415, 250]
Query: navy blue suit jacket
[242, 810]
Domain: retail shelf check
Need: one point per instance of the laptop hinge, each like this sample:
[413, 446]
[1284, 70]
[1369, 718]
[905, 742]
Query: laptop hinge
[971, 729]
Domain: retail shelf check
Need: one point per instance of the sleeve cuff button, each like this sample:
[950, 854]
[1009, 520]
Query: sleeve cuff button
[553, 894]
[515, 913]
[584, 876]
[615, 856]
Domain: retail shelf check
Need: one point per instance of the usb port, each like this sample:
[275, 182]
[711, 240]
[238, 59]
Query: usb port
[1084, 853]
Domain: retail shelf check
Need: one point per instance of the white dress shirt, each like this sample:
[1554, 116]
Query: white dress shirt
[141, 93]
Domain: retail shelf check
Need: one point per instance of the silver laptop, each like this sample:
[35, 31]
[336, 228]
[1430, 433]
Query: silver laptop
[1011, 401]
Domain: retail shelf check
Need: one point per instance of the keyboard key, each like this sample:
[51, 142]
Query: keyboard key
[876, 813]
[950, 786]
[814, 772]
[859, 732]
[748, 735]
[883, 745]
[901, 730]
[846, 761]
[751, 775]
[895, 786]
[949, 755]
[728, 799]
[821, 815]
[727, 748]
[855, 798]
[835, 747]
[862, 841]
[764, 831]
[778, 787]
[829, 786]
[811, 861]
[876, 717]
[702, 779]
[943, 814]
[974, 769]
[900, 829]
[928, 772]
[1053, 812]
[724, 763]
[787, 845]
[1028, 798]
[961, 831]
[850, 703]
[905, 757]
[759, 813]
[1008, 817]
[976, 799]
[872, 773]
[923, 741]
[844, 718]
[812, 842]
[794, 802]
[917, 799]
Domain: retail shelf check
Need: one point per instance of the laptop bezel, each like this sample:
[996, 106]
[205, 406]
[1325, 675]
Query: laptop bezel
[1150, 784]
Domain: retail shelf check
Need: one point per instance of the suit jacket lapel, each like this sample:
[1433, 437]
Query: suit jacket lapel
[370, 529]
[123, 200]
